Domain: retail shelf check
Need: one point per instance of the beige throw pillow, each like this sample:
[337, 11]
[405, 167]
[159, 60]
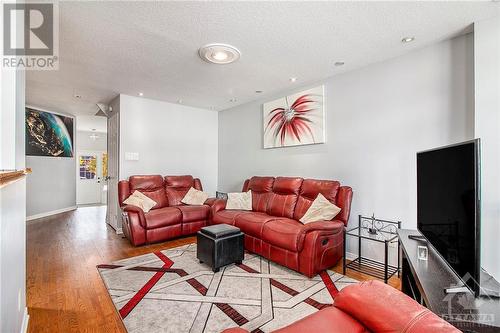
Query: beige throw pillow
[140, 200]
[320, 210]
[240, 201]
[194, 197]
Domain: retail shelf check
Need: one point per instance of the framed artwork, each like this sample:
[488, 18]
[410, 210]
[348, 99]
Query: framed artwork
[88, 166]
[297, 119]
[48, 134]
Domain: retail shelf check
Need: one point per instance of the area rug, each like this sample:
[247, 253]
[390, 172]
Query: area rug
[170, 291]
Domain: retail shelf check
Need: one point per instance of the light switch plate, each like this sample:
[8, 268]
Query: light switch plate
[131, 156]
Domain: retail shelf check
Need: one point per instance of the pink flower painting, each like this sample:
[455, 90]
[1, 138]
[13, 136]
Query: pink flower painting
[295, 120]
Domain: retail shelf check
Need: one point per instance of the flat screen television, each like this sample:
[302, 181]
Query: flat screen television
[448, 209]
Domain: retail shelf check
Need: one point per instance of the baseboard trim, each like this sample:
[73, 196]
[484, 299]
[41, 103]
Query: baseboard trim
[26, 319]
[53, 212]
[350, 256]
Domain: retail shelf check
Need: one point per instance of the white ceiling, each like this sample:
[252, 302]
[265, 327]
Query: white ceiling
[107, 48]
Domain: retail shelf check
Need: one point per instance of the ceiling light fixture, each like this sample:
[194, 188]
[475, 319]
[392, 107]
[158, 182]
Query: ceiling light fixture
[293, 79]
[141, 94]
[339, 63]
[220, 54]
[407, 39]
[77, 96]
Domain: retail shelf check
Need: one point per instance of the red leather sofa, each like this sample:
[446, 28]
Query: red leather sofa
[273, 231]
[370, 306]
[169, 218]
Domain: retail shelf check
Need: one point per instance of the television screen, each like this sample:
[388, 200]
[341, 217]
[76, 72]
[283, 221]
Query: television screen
[448, 206]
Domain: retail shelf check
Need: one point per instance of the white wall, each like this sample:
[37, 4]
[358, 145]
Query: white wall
[487, 127]
[377, 118]
[84, 142]
[13, 311]
[171, 139]
[51, 187]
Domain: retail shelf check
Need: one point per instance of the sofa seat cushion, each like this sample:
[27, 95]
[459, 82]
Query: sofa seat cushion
[194, 213]
[329, 319]
[253, 223]
[285, 233]
[163, 217]
[227, 216]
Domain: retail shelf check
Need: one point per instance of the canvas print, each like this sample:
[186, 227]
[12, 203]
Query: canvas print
[48, 134]
[294, 120]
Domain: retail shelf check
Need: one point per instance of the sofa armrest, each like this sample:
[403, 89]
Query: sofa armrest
[334, 226]
[234, 330]
[210, 201]
[129, 209]
[344, 199]
[382, 308]
[218, 205]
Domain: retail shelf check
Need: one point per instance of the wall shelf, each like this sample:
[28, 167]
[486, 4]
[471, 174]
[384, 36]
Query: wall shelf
[10, 176]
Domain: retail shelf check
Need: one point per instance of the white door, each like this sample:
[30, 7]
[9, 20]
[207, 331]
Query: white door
[89, 181]
[112, 180]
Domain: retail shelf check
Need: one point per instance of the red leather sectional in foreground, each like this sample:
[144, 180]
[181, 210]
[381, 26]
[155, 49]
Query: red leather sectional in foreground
[370, 306]
[272, 229]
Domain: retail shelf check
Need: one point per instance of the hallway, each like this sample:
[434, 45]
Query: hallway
[64, 290]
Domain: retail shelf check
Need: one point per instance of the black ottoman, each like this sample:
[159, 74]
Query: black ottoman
[220, 245]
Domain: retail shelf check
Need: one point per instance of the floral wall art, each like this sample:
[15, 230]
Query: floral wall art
[294, 120]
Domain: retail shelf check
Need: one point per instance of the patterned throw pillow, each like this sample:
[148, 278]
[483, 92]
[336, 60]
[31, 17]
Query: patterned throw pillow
[140, 200]
[240, 201]
[194, 197]
[320, 210]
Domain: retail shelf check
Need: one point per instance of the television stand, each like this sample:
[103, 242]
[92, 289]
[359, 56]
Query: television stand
[426, 281]
[417, 238]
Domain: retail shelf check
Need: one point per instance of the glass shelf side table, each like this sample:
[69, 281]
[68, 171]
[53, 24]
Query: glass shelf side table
[376, 230]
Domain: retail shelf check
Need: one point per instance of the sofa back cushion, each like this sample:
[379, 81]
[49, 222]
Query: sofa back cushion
[152, 186]
[309, 191]
[284, 196]
[261, 188]
[178, 186]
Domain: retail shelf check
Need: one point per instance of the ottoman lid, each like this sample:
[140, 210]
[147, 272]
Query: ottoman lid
[220, 230]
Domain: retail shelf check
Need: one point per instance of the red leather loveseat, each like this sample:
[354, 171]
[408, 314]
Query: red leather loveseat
[370, 306]
[169, 218]
[273, 231]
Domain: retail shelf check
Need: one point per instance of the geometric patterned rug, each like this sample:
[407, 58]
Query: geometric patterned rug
[170, 291]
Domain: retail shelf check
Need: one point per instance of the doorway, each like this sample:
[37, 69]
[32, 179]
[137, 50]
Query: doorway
[91, 165]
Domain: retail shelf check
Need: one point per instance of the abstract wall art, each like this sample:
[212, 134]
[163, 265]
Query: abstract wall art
[48, 134]
[297, 119]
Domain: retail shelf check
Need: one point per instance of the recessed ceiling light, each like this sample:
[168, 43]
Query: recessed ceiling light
[220, 54]
[407, 39]
[141, 94]
[293, 79]
[77, 96]
[339, 63]
[233, 100]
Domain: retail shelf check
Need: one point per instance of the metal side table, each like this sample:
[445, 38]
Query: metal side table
[376, 230]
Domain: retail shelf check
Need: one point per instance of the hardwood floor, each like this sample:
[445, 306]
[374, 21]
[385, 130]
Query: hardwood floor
[64, 290]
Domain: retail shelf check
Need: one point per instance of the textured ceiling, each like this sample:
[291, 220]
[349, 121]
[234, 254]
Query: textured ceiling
[107, 48]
